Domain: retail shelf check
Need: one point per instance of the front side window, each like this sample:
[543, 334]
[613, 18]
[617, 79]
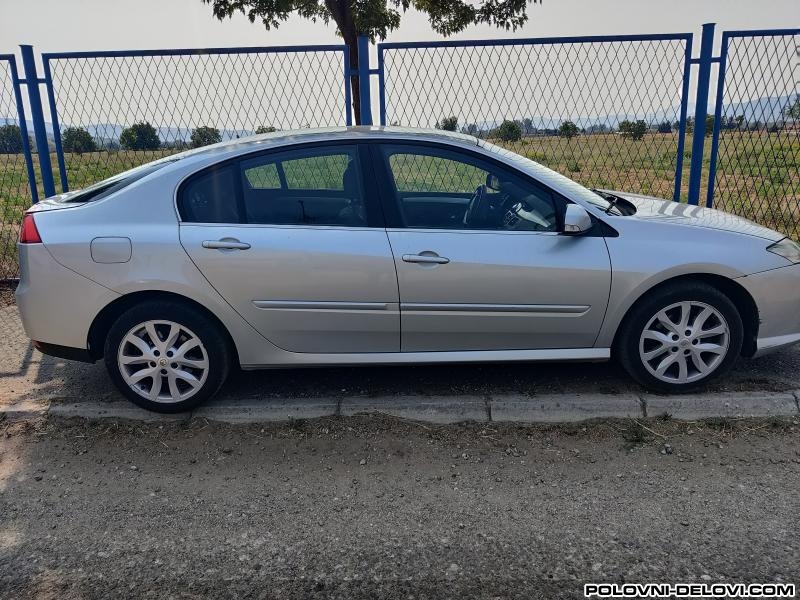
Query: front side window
[439, 188]
[306, 186]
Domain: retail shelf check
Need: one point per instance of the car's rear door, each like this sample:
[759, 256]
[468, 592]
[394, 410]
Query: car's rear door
[294, 241]
[502, 278]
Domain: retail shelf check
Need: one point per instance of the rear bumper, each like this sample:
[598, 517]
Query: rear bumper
[777, 295]
[56, 304]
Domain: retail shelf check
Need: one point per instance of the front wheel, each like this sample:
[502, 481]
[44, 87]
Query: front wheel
[681, 337]
[166, 357]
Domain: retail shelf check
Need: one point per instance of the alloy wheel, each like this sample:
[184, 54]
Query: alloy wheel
[163, 361]
[684, 342]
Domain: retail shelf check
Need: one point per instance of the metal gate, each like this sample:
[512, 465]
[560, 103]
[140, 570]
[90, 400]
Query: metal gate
[580, 105]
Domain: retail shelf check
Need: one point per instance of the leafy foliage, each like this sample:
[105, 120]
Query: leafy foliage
[205, 136]
[509, 131]
[709, 124]
[10, 139]
[633, 129]
[140, 136]
[665, 127]
[266, 129]
[78, 140]
[792, 111]
[568, 130]
[448, 124]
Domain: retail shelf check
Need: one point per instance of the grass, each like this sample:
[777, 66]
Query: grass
[758, 174]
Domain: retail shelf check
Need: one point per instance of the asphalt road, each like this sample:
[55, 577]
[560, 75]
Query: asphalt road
[375, 507]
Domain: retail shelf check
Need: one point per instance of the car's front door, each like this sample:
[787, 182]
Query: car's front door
[294, 242]
[480, 260]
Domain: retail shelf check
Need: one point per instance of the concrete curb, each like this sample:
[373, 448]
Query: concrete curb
[556, 408]
[432, 409]
[704, 406]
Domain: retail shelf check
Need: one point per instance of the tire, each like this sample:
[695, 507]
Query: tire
[188, 364]
[705, 348]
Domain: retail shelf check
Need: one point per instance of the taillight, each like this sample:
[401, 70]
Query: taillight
[29, 234]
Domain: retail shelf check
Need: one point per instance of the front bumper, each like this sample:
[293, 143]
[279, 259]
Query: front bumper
[777, 295]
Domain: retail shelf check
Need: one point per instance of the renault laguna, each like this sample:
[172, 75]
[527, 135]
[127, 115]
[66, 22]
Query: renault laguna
[359, 246]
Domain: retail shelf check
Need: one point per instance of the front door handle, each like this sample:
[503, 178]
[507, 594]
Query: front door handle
[226, 244]
[426, 258]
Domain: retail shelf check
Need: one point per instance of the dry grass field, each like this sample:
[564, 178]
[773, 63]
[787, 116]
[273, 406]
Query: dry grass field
[758, 174]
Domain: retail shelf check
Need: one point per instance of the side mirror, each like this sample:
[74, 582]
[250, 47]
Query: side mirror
[576, 220]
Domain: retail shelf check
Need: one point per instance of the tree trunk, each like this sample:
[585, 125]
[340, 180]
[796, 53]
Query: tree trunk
[343, 17]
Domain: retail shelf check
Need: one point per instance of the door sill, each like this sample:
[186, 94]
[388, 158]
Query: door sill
[400, 358]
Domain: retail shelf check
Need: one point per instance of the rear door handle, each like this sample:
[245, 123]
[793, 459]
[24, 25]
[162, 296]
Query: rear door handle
[226, 244]
[426, 258]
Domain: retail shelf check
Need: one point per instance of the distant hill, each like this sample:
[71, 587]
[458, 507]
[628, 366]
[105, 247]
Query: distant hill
[765, 110]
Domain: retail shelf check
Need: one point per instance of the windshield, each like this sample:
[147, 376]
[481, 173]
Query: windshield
[114, 184]
[549, 177]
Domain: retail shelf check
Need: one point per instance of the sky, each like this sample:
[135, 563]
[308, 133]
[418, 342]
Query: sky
[74, 25]
[64, 25]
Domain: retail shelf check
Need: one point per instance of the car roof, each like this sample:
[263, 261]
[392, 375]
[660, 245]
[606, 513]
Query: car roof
[275, 139]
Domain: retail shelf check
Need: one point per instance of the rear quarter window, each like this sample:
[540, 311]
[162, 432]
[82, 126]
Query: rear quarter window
[211, 196]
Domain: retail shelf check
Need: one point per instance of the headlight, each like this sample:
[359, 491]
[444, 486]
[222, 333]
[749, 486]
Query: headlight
[788, 249]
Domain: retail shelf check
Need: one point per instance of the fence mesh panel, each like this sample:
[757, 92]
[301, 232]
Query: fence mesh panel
[758, 168]
[184, 100]
[15, 194]
[605, 113]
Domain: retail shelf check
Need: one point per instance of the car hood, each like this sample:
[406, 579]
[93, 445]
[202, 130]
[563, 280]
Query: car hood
[666, 211]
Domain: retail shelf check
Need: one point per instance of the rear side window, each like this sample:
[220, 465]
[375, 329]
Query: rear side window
[318, 185]
[211, 196]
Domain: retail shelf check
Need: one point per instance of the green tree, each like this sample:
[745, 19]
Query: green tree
[205, 136]
[709, 124]
[792, 111]
[509, 131]
[77, 140]
[448, 124]
[633, 129]
[665, 127]
[568, 130]
[140, 136]
[266, 129]
[376, 18]
[10, 139]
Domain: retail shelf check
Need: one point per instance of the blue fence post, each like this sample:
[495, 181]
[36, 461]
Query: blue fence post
[381, 86]
[700, 111]
[687, 74]
[16, 84]
[364, 100]
[348, 109]
[37, 116]
[712, 172]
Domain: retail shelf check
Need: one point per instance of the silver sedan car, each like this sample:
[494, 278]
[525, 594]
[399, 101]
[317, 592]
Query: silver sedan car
[355, 246]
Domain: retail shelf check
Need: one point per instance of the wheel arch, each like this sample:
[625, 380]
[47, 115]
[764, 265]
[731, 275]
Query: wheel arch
[98, 331]
[741, 298]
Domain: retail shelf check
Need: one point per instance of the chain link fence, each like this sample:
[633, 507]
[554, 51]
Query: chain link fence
[117, 110]
[15, 191]
[757, 130]
[15, 196]
[609, 113]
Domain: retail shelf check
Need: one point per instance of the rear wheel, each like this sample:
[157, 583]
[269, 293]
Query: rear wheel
[680, 337]
[166, 357]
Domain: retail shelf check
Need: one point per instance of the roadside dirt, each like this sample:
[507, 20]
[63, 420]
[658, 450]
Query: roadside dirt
[7, 293]
[376, 507]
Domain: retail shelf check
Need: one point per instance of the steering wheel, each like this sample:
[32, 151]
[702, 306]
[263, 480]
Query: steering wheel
[475, 205]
